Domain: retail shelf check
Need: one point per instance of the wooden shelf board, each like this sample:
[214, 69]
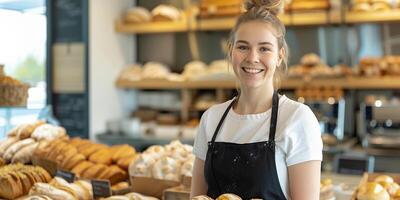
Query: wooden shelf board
[151, 27]
[378, 16]
[345, 83]
[225, 23]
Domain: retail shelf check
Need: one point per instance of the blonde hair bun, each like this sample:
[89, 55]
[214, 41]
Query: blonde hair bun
[273, 6]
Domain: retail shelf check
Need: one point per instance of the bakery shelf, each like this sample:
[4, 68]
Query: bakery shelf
[151, 27]
[378, 16]
[291, 83]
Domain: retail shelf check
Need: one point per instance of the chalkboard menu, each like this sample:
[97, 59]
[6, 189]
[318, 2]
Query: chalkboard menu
[71, 111]
[67, 15]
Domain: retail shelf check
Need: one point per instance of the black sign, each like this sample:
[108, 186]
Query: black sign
[68, 176]
[101, 188]
[68, 15]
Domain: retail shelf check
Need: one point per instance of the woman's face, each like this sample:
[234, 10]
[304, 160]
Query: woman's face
[255, 54]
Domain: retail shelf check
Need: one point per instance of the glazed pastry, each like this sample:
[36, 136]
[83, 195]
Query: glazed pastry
[372, 191]
[120, 185]
[82, 167]
[121, 151]
[94, 171]
[102, 156]
[229, 196]
[70, 163]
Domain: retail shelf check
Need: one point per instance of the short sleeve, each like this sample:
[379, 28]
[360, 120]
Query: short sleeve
[200, 142]
[305, 143]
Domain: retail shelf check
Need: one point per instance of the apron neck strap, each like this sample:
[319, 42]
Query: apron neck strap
[221, 121]
[274, 117]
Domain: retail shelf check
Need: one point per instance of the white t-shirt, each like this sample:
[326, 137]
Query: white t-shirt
[297, 137]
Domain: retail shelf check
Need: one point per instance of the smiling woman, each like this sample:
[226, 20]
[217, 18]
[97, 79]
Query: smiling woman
[259, 144]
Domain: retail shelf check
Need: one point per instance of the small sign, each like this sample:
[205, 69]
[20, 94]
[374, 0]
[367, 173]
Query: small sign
[68, 176]
[101, 188]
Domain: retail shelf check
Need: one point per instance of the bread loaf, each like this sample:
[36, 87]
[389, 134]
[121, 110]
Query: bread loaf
[25, 154]
[51, 191]
[94, 171]
[102, 156]
[124, 162]
[14, 148]
[82, 167]
[26, 130]
[70, 163]
[48, 132]
[7, 143]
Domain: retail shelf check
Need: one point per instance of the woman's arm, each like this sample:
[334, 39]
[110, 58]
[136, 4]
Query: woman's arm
[304, 180]
[199, 185]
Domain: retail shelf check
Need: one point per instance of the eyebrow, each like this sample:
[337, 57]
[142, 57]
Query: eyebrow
[260, 43]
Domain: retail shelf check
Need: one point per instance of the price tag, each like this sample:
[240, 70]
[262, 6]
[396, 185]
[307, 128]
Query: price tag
[68, 176]
[101, 188]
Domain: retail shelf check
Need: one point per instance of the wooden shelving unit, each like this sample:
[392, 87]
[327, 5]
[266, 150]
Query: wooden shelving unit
[151, 27]
[379, 16]
[345, 83]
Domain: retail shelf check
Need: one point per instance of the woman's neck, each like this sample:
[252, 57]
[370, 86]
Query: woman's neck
[253, 101]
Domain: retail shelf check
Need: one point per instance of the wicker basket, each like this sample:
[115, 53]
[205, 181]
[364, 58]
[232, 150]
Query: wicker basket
[12, 92]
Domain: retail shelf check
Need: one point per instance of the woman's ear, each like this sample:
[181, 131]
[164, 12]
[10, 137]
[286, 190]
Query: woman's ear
[282, 53]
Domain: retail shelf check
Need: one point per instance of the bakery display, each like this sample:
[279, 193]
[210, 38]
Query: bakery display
[164, 162]
[307, 5]
[23, 140]
[372, 5]
[12, 91]
[17, 179]
[383, 66]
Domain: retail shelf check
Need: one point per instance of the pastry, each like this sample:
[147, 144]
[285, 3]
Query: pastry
[26, 130]
[121, 151]
[202, 197]
[86, 185]
[166, 168]
[372, 191]
[228, 196]
[25, 154]
[7, 143]
[165, 13]
[89, 149]
[134, 195]
[384, 178]
[120, 185]
[102, 156]
[48, 132]
[115, 174]
[124, 162]
[137, 15]
[15, 147]
[82, 167]
[51, 191]
[70, 163]
[117, 197]
[94, 171]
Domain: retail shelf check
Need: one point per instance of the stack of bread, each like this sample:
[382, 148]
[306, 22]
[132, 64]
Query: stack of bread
[220, 8]
[22, 141]
[312, 65]
[307, 5]
[161, 12]
[374, 66]
[130, 196]
[12, 91]
[149, 71]
[383, 187]
[89, 160]
[169, 162]
[319, 93]
[372, 5]
[199, 71]
[17, 179]
[59, 189]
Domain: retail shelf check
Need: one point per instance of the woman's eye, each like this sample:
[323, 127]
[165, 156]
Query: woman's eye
[264, 49]
[242, 47]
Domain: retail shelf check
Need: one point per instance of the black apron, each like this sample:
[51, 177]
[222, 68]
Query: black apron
[247, 170]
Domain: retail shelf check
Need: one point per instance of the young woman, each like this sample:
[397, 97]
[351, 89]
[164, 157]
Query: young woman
[259, 144]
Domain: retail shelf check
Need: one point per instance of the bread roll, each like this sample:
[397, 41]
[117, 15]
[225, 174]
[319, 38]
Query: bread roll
[137, 15]
[125, 162]
[166, 168]
[82, 167]
[372, 191]
[10, 186]
[14, 131]
[134, 195]
[120, 185]
[25, 154]
[202, 197]
[14, 148]
[121, 151]
[51, 191]
[70, 163]
[90, 149]
[115, 174]
[87, 186]
[361, 7]
[7, 143]
[80, 191]
[26, 130]
[102, 156]
[48, 132]
[384, 178]
[229, 197]
[165, 13]
[142, 165]
[94, 171]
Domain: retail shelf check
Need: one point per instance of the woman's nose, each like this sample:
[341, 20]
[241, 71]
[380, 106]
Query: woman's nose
[252, 56]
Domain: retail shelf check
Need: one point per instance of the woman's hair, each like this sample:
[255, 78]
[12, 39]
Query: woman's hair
[264, 11]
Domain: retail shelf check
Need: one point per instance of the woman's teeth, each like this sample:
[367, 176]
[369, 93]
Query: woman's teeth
[252, 70]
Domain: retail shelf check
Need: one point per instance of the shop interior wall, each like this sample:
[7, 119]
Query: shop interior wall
[109, 53]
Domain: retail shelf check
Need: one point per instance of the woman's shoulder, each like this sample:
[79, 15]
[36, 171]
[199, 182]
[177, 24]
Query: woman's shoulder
[294, 109]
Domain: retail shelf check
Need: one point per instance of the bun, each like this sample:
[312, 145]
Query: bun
[273, 6]
[229, 196]
[372, 191]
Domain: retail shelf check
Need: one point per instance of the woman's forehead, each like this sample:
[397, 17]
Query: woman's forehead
[255, 32]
